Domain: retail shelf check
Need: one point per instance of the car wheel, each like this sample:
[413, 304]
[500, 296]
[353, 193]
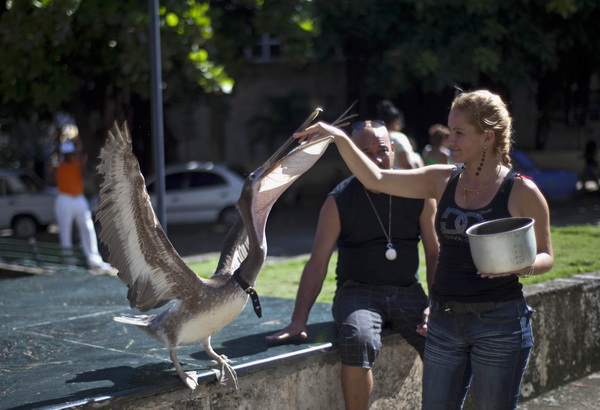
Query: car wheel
[24, 226]
[228, 216]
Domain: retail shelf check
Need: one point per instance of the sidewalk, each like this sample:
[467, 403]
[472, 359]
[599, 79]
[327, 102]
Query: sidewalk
[582, 394]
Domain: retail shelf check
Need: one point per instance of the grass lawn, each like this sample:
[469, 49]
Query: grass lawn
[575, 251]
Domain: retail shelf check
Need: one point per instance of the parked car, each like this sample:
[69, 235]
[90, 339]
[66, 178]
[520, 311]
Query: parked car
[27, 205]
[555, 184]
[199, 192]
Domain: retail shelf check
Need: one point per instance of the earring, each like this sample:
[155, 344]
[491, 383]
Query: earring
[482, 161]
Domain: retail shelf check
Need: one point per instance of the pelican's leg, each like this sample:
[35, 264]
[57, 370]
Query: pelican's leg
[226, 375]
[187, 379]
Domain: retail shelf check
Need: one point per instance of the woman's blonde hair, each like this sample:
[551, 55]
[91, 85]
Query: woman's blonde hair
[486, 111]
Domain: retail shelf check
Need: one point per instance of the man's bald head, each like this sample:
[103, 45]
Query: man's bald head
[373, 139]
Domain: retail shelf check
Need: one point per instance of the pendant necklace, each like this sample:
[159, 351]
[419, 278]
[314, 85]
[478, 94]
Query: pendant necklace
[390, 253]
[478, 190]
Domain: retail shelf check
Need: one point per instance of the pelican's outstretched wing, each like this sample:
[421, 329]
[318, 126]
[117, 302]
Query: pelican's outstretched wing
[147, 261]
[271, 180]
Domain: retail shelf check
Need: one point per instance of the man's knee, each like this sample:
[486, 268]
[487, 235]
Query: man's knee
[358, 348]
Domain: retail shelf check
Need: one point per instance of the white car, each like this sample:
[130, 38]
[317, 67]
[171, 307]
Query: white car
[199, 192]
[26, 205]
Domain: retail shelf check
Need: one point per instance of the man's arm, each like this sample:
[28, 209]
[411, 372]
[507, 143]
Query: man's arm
[315, 270]
[429, 237]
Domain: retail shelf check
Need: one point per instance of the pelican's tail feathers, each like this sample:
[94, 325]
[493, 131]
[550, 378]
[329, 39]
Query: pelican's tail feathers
[138, 320]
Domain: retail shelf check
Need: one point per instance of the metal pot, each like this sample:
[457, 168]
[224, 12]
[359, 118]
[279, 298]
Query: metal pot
[503, 245]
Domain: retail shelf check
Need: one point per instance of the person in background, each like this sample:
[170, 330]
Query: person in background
[377, 237]
[72, 206]
[416, 158]
[479, 327]
[405, 156]
[590, 169]
[436, 151]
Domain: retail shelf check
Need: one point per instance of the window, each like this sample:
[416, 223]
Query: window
[266, 49]
[175, 181]
[172, 182]
[201, 179]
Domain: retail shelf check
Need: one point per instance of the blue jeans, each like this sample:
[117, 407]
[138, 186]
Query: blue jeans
[492, 348]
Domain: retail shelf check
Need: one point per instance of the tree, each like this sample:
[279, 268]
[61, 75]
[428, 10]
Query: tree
[395, 47]
[91, 58]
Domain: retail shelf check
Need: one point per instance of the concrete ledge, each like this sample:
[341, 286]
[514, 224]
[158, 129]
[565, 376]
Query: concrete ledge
[566, 329]
[567, 346]
[308, 380]
[61, 349]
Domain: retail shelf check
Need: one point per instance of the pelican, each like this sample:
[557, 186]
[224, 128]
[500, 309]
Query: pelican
[154, 272]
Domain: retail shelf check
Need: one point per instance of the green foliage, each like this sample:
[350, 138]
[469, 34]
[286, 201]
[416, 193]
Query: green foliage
[92, 57]
[282, 113]
[34, 54]
[435, 44]
[564, 8]
[54, 50]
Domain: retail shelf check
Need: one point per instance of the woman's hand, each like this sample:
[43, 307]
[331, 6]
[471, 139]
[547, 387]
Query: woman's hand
[523, 273]
[319, 130]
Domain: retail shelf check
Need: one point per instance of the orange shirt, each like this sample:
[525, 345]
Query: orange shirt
[69, 179]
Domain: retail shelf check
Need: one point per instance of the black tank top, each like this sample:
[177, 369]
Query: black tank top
[362, 243]
[456, 277]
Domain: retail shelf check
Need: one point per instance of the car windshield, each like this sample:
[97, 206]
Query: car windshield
[19, 184]
[185, 180]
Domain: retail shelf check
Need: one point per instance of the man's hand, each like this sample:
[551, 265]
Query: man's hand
[422, 327]
[292, 330]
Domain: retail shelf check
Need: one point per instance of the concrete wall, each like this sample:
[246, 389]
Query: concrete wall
[196, 126]
[567, 346]
[566, 331]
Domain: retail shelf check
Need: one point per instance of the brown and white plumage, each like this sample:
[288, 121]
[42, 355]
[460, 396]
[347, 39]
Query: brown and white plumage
[154, 272]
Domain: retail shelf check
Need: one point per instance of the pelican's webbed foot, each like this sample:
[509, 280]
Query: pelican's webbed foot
[225, 373]
[189, 378]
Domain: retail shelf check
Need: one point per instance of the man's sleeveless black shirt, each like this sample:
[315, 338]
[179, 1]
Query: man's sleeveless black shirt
[362, 243]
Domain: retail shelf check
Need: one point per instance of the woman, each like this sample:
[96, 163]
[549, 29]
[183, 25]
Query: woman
[436, 152]
[479, 325]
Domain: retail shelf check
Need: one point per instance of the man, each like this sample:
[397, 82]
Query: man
[72, 206]
[377, 239]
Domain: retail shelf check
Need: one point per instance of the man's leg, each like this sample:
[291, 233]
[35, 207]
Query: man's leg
[406, 312]
[63, 210]
[87, 233]
[357, 312]
[357, 385]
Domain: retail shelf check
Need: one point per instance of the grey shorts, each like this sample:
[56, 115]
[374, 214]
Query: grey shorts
[361, 311]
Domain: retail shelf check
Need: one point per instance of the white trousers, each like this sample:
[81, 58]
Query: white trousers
[69, 208]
